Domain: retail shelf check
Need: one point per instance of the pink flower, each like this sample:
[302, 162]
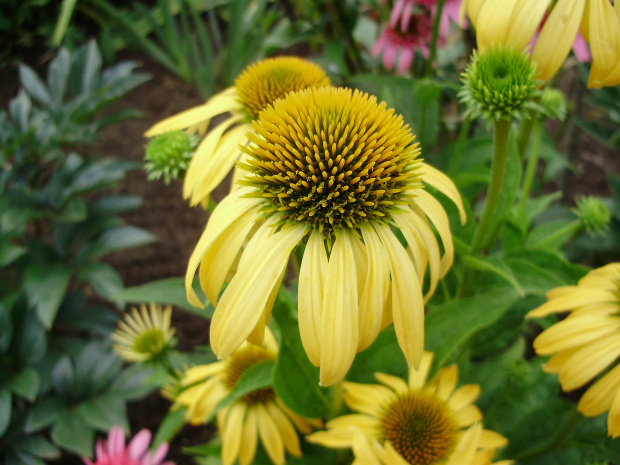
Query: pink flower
[114, 452]
[403, 9]
[398, 48]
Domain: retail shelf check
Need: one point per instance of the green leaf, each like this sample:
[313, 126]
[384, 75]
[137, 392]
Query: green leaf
[383, 356]
[34, 86]
[6, 329]
[58, 74]
[168, 291]
[427, 94]
[553, 234]
[169, 427]
[74, 211]
[119, 238]
[104, 412]
[494, 265]
[295, 379]
[9, 252]
[453, 323]
[5, 410]
[66, 11]
[85, 69]
[38, 446]
[72, 433]
[104, 279]
[26, 383]
[116, 204]
[63, 377]
[46, 283]
[256, 377]
[43, 413]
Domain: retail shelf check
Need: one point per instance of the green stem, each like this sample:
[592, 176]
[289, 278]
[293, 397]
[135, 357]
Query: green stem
[433, 47]
[498, 166]
[501, 134]
[532, 163]
[524, 134]
[458, 146]
[556, 442]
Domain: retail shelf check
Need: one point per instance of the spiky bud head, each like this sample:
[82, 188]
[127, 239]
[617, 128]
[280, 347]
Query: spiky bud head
[169, 154]
[593, 214]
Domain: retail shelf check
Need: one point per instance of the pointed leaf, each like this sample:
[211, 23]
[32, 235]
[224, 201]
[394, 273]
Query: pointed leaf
[72, 433]
[46, 283]
[26, 383]
[34, 86]
[5, 410]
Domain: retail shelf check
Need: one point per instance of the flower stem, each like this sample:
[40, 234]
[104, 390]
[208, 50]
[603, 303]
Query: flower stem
[433, 46]
[556, 442]
[532, 163]
[524, 134]
[458, 146]
[498, 166]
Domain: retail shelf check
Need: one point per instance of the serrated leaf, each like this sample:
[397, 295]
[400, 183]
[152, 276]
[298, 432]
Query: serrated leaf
[26, 383]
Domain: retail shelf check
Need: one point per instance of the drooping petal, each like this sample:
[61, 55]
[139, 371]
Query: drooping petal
[261, 265]
[231, 432]
[589, 361]
[407, 301]
[249, 438]
[312, 276]
[464, 396]
[524, 21]
[557, 37]
[417, 377]
[339, 316]
[285, 427]
[438, 180]
[493, 22]
[604, 43]
[270, 436]
[600, 396]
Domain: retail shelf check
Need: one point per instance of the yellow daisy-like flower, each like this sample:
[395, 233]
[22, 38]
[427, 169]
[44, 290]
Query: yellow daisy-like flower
[143, 335]
[516, 21]
[586, 344]
[256, 87]
[259, 414]
[336, 170]
[416, 423]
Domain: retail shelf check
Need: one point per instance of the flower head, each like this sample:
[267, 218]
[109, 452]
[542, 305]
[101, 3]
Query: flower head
[517, 21]
[499, 84]
[336, 170]
[586, 345]
[114, 452]
[594, 215]
[256, 87]
[397, 47]
[144, 335]
[417, 423]
[168, 155]
[258, 414]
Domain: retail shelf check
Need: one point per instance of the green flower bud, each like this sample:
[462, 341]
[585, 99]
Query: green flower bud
[168, 155]
[553, 104]
[593, 214]
[499, 83]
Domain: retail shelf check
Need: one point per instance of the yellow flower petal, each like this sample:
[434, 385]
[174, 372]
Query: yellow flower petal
[577, 297]
[231, 432]
[492, 440]
[466, 447]
[375, 290]
[417, 377]
[366, 398]
[464, 396]
[589, 361]
[599, 397]
[524, 22]
[557, 37]
[285, 428]
[364, 454]
[573, 332]
[467, 416]
[339, 319]
[221, 103]
[613, 420]
[270, 436]
[604, 31]
[312, 275]
[249, 438]
[261, 265]
[493, 22]
[438, 180]
[446, 381]
[407, 301]
[394, 382]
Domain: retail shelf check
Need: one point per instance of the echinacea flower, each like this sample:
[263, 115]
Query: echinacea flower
[403, 11]
[586, 344]
[256, 87]
[416, 422]
[258, 414]
[516, 21]
[143, 335]
[334, 170]
[397, 47]
[114, 452]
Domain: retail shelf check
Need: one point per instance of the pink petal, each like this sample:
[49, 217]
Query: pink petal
[406, 17]
[160, 453]
[87, 461]
[396, 11]
[425, 51]
[377, 48]
[581, 49]
[139, 444]
[406, 59]
[389, 57]
[116, 441]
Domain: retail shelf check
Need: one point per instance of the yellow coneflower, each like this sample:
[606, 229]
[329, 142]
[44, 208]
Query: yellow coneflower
[256, 87]
[336, 170]
[415, 422]
[586, 344]
[143, 335]
[516, 22]
[259, 414]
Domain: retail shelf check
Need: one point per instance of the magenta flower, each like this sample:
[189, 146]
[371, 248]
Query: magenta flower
[403, 9]
[114, 452]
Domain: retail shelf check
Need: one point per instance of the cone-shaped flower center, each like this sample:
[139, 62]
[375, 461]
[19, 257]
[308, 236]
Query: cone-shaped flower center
[419, 428]
[264, 82]
[150, 341]
[332, 158]
[238, 363]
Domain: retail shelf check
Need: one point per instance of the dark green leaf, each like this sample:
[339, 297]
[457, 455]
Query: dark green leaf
[74, 211]
[383, 356]
[301, 392]
[34, 86]
[132, 383]
[26, 383]
[85, 69]
[63, 377]
[116, 204]
[58, 75]
[104, 412]
[44, 413]
[9, 252]
[169, 291]
[38, 446]
[72, 433]
[5, 410]
[104, 279]
[6, 329]
[169, 426]
[493, 265]
[45, 283]
[119, 238]
[454, 322]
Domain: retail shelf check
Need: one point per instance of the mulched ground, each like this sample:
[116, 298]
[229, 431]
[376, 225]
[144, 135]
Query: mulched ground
[178, 226]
